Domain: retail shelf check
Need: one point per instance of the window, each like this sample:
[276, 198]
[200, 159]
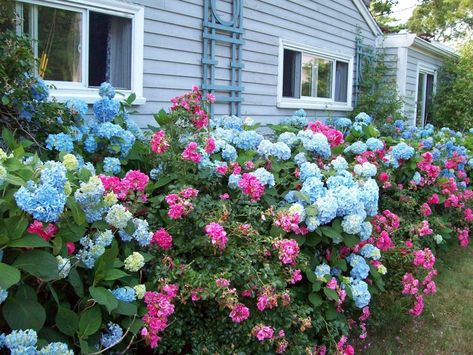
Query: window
[80, 44]
[426, 84]
[312, 79]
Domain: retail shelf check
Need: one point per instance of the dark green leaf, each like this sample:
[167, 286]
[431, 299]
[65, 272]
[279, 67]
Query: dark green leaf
[315, 299]
[67, 321]
[90, 321]
[24, 314]
[104, 297]
[29, 241]
[38, 263]
[10, 276]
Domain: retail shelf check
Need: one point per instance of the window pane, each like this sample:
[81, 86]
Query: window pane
[109, 50]
[309, 64]
[324, 81]
[291, 74]
[316, 77]
[420, 100]
[59, 44]
[341, 82]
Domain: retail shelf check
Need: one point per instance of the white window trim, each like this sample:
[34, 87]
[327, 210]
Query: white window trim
[424, 68]
[68, 90]
[314, 102]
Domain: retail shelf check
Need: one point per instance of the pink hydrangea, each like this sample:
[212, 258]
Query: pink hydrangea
[288, 250]
[209, 145]
[221, 169]
[289, 222]
[222, 283]
[411, 284]
[224, 196]
[418, 306]
[190, 153]
[334, 136]
[239, 313]
[36, 227]
[162, 238]
[71, 248]
[217, 235]
[424, 258]
[430, 288]
[468, 215]
[425, 229]
[332, 284]
[384, 242]
[433, 200]
[464, 237]
[159, 143]
[176, 211]
[296, 277]
[251, 186]
[425, 210]
[135, 180]
[262, 332]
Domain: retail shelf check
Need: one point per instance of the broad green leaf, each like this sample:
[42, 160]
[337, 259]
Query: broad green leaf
[10, 276]
[315, 299]
[29, 241]
[114, 274]
[76, 282]
[126, 309]
[38, 263]
[67, 321]
[77, 213]
[24, 314]
[104, 297]
[331, 294]
[90, 321]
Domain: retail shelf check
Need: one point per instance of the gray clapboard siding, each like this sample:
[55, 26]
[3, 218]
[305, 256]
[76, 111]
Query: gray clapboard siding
[173, 48]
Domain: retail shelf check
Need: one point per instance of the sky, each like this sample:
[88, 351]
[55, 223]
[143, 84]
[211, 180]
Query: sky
[403, 10]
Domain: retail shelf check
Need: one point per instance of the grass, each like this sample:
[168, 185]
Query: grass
[446, 327]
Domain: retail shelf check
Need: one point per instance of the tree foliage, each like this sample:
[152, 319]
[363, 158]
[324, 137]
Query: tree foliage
[454, 99]
[442, 20]
[382, 11]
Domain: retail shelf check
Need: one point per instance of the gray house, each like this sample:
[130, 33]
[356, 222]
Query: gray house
[415, 64]
[262, 58]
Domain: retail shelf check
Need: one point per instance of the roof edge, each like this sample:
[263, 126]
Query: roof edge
[406, 40]
[365, 12]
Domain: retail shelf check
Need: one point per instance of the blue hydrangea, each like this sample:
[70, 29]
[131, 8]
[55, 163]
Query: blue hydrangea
[313, 188]
[343, 178]
[227, 122]
[265, 148]
[352, 223]
[366, 230]
[134, 129]
[229, 153]
[360, 292]
[45, 202]
[77, 107]
[402, 151]
[428, 143]
[107, 90]
[300, 159]
[94, 248]
[363, 117]
[112, 336]
[55, 349]
[341, 123]
[316, 143]
[90, 144]
[89, 197]
[374, 144]
[288, 138]
[39, 90]
[3, 295]
[156, 172]
[298, 119]
[21, 341]
[117, 136]
[326, 208]
[26, 111]
[340, 163]
[322, 270]
[399, 124]
[281, 151]
[264, 177]
[356, 148]
[247, 140]
[369, 196]
[312, 223]
[371, 252]
[226, 135]
[111, 165]
[125, 294]
[142, 234]
[348, 200]
[308, 170]
[106, 109]
[61, 142]
[365, 170]
[416, 178]
[360, 269]
[233, 181]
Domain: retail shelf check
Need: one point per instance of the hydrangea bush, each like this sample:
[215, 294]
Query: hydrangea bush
[203, 235]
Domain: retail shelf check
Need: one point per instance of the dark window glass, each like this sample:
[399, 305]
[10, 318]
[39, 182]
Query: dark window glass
[341, 82]
[291, 74]
[109, 50]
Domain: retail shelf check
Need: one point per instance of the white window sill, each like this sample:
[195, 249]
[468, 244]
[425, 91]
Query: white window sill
[89, 96]
[313, 105]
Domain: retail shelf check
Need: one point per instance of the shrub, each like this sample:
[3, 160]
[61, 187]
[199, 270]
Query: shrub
[453, 103]
[224, 240]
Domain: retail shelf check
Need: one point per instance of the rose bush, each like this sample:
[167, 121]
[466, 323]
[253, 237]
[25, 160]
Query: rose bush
[202, 235]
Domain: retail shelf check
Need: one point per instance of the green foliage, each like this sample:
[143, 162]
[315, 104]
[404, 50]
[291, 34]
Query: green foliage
[453, 103]
[377, 93]
[382, 11]
[442, 20]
